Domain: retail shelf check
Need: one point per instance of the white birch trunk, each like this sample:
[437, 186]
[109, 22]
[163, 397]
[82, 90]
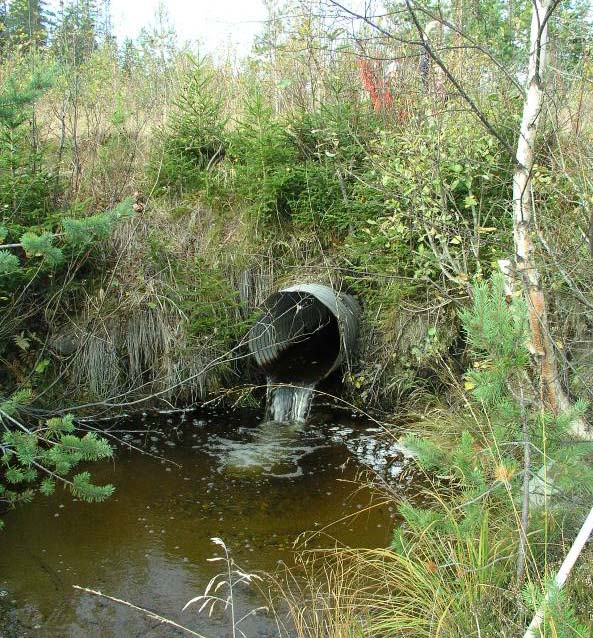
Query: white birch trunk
[541, 340]
[562, 575]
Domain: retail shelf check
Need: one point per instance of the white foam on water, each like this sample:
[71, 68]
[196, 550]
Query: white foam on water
[268, 450]
[382, 455]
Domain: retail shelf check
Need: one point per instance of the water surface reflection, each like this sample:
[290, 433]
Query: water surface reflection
[255, 486]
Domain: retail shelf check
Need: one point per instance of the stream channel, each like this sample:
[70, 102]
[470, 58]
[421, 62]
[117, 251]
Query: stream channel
[229, 475]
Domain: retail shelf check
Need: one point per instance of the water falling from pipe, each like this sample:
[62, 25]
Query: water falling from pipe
[304, 334]
[289, 403]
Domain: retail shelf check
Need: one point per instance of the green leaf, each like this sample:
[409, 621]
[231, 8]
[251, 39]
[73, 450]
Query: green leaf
[9, 263]
[470, 201]
[41, 367]
[86, 230]
[14, 475]
[25, 447]
[90, 447]
[47, 487]
[22, 342]
[83, 488]
[60, 425]
[19, 398]
[42, 246]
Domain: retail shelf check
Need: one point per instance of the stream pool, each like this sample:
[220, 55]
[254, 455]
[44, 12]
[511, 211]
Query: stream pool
[255, 485]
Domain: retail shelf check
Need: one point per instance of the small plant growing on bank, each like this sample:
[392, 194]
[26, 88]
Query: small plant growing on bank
[220, 591]
[25, 182]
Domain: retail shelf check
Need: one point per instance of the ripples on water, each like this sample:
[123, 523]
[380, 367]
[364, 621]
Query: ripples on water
[256, 486]
[271, 449]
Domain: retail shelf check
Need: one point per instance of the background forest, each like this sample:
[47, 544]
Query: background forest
[152, 197]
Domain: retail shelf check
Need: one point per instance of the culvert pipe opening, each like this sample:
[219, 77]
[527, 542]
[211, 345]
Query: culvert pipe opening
[304, 334]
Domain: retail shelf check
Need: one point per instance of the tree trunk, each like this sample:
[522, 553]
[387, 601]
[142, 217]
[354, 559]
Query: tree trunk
[541, 341]
[533, 631]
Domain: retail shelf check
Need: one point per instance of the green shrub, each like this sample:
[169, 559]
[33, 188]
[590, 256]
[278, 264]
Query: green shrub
[36, 459]
[481, 480]
[194, 138]
[25, 184]
[428, 197]
[262, 158]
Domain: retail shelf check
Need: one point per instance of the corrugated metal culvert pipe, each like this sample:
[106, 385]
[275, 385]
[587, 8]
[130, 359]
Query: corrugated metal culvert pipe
[305, 333]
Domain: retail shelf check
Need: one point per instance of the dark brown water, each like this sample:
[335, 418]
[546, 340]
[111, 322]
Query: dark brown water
[255, 486]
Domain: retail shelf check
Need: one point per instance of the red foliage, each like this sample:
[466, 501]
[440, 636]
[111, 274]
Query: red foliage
[380, 94]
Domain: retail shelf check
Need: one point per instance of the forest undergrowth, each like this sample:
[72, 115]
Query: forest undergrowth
[153, 197]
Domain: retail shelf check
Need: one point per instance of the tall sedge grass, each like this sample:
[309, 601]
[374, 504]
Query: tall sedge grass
[440, 586]
[452, 574]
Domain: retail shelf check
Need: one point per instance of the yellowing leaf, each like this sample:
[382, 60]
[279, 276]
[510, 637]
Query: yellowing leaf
[470, 201]
[504, 473]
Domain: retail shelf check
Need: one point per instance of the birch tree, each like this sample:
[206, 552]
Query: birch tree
[542, 345]
[553, 395]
